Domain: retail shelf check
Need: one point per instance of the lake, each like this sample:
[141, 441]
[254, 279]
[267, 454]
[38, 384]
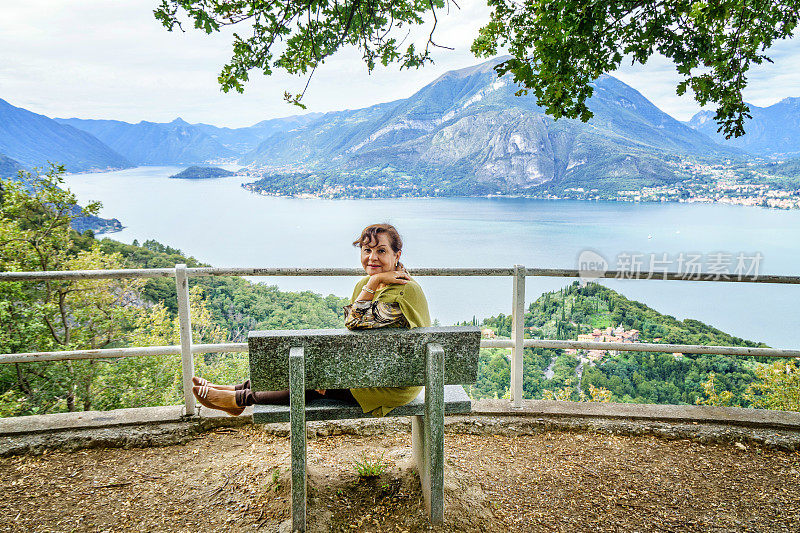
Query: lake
[222, 224]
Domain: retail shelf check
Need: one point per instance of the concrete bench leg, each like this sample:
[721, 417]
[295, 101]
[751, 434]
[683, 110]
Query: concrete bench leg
[427, 436]
[297, 417]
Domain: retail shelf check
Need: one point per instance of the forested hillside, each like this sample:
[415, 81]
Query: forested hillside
[236, 305]
[630, 376]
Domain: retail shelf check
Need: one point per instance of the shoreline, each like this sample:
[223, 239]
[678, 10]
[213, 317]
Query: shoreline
[317, 196]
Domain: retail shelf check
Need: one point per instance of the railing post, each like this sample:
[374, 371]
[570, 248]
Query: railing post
[517, 335]
[187, 362]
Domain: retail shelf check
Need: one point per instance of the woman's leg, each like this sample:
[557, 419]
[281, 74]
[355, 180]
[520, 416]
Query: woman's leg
[244, 397]
[234, 401]
[247, 397]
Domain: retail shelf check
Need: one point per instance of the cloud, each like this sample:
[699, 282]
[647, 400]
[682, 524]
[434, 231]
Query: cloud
[100, 59]
[768, 83]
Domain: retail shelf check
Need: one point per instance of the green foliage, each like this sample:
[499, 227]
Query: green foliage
[235, 304]
[597, 395]
[54, 315]
[494, 374]
[713, 396]
[560, 47]
[276, 479]
[308, 33]
[779, 387]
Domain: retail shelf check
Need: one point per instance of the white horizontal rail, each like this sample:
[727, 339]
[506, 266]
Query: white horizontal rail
[45, 275]
[432, 271]
[241, 347]
[113, 353]
[642, 347]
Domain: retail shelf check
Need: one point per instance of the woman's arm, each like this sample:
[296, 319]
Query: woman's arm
[379, 281]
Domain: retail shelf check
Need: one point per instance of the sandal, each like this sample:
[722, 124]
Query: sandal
[201, 393]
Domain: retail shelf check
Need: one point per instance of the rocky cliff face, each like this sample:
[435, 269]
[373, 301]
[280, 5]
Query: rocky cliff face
[496, 143]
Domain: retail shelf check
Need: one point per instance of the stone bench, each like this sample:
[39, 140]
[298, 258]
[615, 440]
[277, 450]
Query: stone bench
[441, 359]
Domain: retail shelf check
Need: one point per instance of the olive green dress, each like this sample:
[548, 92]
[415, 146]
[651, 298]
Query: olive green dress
[381, 400]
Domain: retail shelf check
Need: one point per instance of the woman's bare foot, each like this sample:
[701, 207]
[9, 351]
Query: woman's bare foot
[221, 400]
[203, 382]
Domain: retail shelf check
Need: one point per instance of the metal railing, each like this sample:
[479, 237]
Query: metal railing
[517, 343]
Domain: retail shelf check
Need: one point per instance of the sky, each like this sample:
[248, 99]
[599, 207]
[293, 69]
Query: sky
[113, 60]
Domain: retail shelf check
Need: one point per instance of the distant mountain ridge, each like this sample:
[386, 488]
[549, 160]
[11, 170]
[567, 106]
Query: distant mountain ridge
[152, 143]
[243, 140]
[469, 125]
[181, 143]
[773, 130]
[32, 140]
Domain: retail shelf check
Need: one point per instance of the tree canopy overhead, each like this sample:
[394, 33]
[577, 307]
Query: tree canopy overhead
[558, 47]
[298, 35]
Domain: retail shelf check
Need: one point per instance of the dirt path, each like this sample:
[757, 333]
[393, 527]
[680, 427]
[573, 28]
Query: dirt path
[238, 480]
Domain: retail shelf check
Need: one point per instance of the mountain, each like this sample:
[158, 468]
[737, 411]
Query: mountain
[469, 129]
[152, 143]
[243, 140]
[33, 140]
[8, 167]
[772, 131]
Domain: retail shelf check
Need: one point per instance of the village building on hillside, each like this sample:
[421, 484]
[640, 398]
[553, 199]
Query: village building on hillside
[609, 334]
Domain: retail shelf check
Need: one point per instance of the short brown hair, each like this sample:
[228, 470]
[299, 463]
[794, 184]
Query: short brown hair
[370, 235]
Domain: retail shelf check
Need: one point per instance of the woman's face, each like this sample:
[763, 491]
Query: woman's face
[377, 257]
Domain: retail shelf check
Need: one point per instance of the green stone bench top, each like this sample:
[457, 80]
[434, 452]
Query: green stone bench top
[456, 401]
[342, 359]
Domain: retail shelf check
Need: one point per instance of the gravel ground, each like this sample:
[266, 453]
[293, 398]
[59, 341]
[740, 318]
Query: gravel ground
[237, 479]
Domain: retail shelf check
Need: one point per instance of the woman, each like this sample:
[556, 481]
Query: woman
[386, 297]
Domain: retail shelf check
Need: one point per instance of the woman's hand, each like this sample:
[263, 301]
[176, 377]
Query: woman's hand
[400, 277]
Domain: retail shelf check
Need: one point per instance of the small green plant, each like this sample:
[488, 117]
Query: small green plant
[276, 479]
[369, 467]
